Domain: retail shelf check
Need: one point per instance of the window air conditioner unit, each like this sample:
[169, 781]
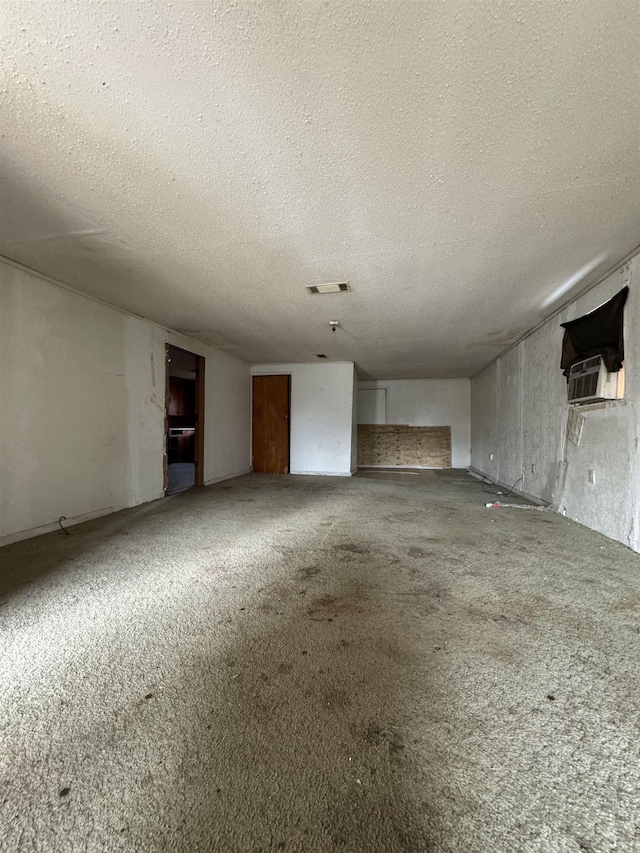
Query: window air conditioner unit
[590, 382]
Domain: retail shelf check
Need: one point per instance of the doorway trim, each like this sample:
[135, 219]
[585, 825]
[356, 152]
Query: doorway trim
[200, 405]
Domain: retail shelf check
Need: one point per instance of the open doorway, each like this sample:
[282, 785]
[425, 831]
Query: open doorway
[184, 420]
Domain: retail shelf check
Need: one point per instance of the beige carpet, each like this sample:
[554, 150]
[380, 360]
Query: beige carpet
[316, 664]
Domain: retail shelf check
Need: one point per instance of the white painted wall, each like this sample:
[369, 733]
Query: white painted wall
[519, 410]
[82, 406]
[372, 406]
[431, 402]
[321, 415]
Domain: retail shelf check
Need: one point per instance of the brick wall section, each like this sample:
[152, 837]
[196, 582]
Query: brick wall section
[398, 444]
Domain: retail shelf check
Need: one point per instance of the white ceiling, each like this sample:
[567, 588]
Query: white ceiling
[199, 163]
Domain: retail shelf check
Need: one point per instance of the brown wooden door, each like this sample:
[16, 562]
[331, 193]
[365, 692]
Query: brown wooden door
[270, 424]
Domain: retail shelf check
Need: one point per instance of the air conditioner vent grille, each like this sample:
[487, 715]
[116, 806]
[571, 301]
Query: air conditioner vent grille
[591, 362]
[589, 382]
[583, 385]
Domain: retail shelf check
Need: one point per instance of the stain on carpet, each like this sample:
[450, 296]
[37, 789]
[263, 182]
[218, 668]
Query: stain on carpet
[332, 606]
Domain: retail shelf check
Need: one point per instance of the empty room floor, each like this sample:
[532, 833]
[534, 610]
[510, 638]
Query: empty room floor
[314, 664]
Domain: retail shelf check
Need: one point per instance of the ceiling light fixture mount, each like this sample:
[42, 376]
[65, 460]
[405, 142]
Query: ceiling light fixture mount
[330, 287]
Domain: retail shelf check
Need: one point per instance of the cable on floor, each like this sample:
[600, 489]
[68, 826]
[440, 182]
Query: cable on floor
[495, 491]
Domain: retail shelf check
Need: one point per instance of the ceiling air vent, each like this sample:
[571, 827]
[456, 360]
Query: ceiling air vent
[332, 287]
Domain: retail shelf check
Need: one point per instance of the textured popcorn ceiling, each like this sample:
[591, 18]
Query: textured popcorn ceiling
[200, 163]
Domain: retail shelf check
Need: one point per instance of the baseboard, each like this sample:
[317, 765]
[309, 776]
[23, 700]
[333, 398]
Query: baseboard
[227, 477]
[10, 538]
[407, 467]
[506, 486]
[323, 473]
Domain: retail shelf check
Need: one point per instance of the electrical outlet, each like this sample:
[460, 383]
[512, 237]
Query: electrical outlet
[533, 469]
[592, 475]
